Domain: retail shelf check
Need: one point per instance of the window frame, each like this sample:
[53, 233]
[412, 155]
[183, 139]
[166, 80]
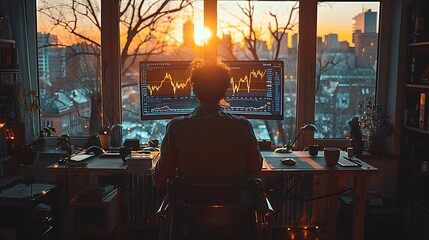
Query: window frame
[111, 79]
[310, 66]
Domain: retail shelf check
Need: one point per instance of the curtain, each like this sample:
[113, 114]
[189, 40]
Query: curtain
[21, 26]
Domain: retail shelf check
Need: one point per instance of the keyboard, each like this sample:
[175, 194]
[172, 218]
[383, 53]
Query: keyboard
[81, 157]
[343, 162]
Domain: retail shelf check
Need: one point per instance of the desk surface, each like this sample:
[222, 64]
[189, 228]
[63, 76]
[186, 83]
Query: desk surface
[304, 164]
[93, 165]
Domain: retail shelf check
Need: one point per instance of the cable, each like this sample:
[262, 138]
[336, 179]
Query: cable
[321, 197]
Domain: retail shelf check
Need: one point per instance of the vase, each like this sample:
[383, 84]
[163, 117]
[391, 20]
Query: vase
[376, 145]
[104, 141]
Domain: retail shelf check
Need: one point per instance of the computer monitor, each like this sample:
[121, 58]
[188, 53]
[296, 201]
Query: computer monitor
[256, 89]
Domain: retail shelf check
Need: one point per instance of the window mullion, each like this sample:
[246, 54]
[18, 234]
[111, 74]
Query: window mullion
[110, 59]
[306, 68]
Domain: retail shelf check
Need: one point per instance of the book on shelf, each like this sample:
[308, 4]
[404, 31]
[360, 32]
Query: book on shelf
[419, 68]
[412, 118]
[423, 111]
[418, 21]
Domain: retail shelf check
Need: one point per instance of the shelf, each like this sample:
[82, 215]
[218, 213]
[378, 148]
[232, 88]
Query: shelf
[417, 130]
[7, 41]
[413, 85]
[419, 44]
[12, 70]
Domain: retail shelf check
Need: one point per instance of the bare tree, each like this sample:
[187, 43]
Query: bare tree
[252, 36]
[278, 32]
[325, 62]
[250, 33]
[145, 24]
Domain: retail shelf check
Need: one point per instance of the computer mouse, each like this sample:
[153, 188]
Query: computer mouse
[288, 161]
[97, 150]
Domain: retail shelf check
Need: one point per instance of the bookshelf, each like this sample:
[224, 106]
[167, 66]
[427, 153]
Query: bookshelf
[8, 106]
[414, 163]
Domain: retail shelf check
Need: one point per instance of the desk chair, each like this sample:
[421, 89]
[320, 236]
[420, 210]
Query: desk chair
[215, 210]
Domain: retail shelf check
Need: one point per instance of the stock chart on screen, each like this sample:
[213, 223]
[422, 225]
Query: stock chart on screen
[255, 91]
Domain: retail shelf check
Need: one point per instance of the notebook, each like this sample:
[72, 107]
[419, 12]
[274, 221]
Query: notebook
[81, 156]
[343, 162]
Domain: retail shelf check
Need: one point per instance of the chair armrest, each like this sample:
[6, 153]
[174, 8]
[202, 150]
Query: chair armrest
[265, 205]
[164, 208]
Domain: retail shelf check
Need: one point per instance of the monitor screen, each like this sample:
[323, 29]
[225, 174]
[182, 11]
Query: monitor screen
[256, 89]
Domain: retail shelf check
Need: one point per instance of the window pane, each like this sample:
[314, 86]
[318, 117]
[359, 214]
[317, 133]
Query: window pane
[69, 65]
[263, 30]
[346, 63]
[154, 32]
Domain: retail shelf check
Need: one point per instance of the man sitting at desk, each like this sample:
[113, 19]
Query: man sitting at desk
[208, 144]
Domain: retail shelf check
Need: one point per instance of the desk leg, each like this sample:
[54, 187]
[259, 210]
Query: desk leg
[56, 201]
[359, 208]
[332, 205]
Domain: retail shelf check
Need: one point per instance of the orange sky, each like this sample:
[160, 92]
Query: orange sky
[341, 23]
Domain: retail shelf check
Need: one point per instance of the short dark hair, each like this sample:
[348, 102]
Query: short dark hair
[210, 80]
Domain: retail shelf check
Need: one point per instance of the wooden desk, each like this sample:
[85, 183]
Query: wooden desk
[17, 205]
[94, 165]
[315, 165]
[68, 176]
[306, 164]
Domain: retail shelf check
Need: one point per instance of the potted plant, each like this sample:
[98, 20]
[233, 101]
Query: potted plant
[63, 142]
[375, 122]
[104, 135]
[44, 132]
[356, 140]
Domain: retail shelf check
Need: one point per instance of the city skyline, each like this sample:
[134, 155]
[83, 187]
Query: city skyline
[343, 22]
[343, 74]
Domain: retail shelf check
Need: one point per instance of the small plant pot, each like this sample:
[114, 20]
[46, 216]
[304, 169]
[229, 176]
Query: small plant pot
[358, 146]
[104, 141]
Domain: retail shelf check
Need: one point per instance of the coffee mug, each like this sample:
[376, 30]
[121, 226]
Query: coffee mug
[313, 150]
[331, 155]
[124, 152]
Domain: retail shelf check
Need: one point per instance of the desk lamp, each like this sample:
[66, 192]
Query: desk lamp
[287, 148]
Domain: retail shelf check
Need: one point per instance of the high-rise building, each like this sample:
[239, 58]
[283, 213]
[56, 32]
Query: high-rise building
[50, 59]
[295, 41]
[366, 21]
[331, 41]
[282, 45]
[365, 38]
[188, 33]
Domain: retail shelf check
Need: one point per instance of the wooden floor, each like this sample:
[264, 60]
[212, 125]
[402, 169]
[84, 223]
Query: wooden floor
[278, 234]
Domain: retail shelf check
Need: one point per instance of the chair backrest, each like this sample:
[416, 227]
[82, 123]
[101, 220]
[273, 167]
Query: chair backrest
[221, 210]
[215, 194]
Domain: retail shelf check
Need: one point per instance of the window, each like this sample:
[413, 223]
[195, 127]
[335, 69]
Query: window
[268, 30]
[345, 48]
[346, 63]
[69, 53]
[171, 34]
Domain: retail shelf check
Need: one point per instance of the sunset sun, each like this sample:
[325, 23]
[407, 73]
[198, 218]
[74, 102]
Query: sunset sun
[201, 35]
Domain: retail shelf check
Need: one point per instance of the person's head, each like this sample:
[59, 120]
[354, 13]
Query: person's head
[210, 80]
